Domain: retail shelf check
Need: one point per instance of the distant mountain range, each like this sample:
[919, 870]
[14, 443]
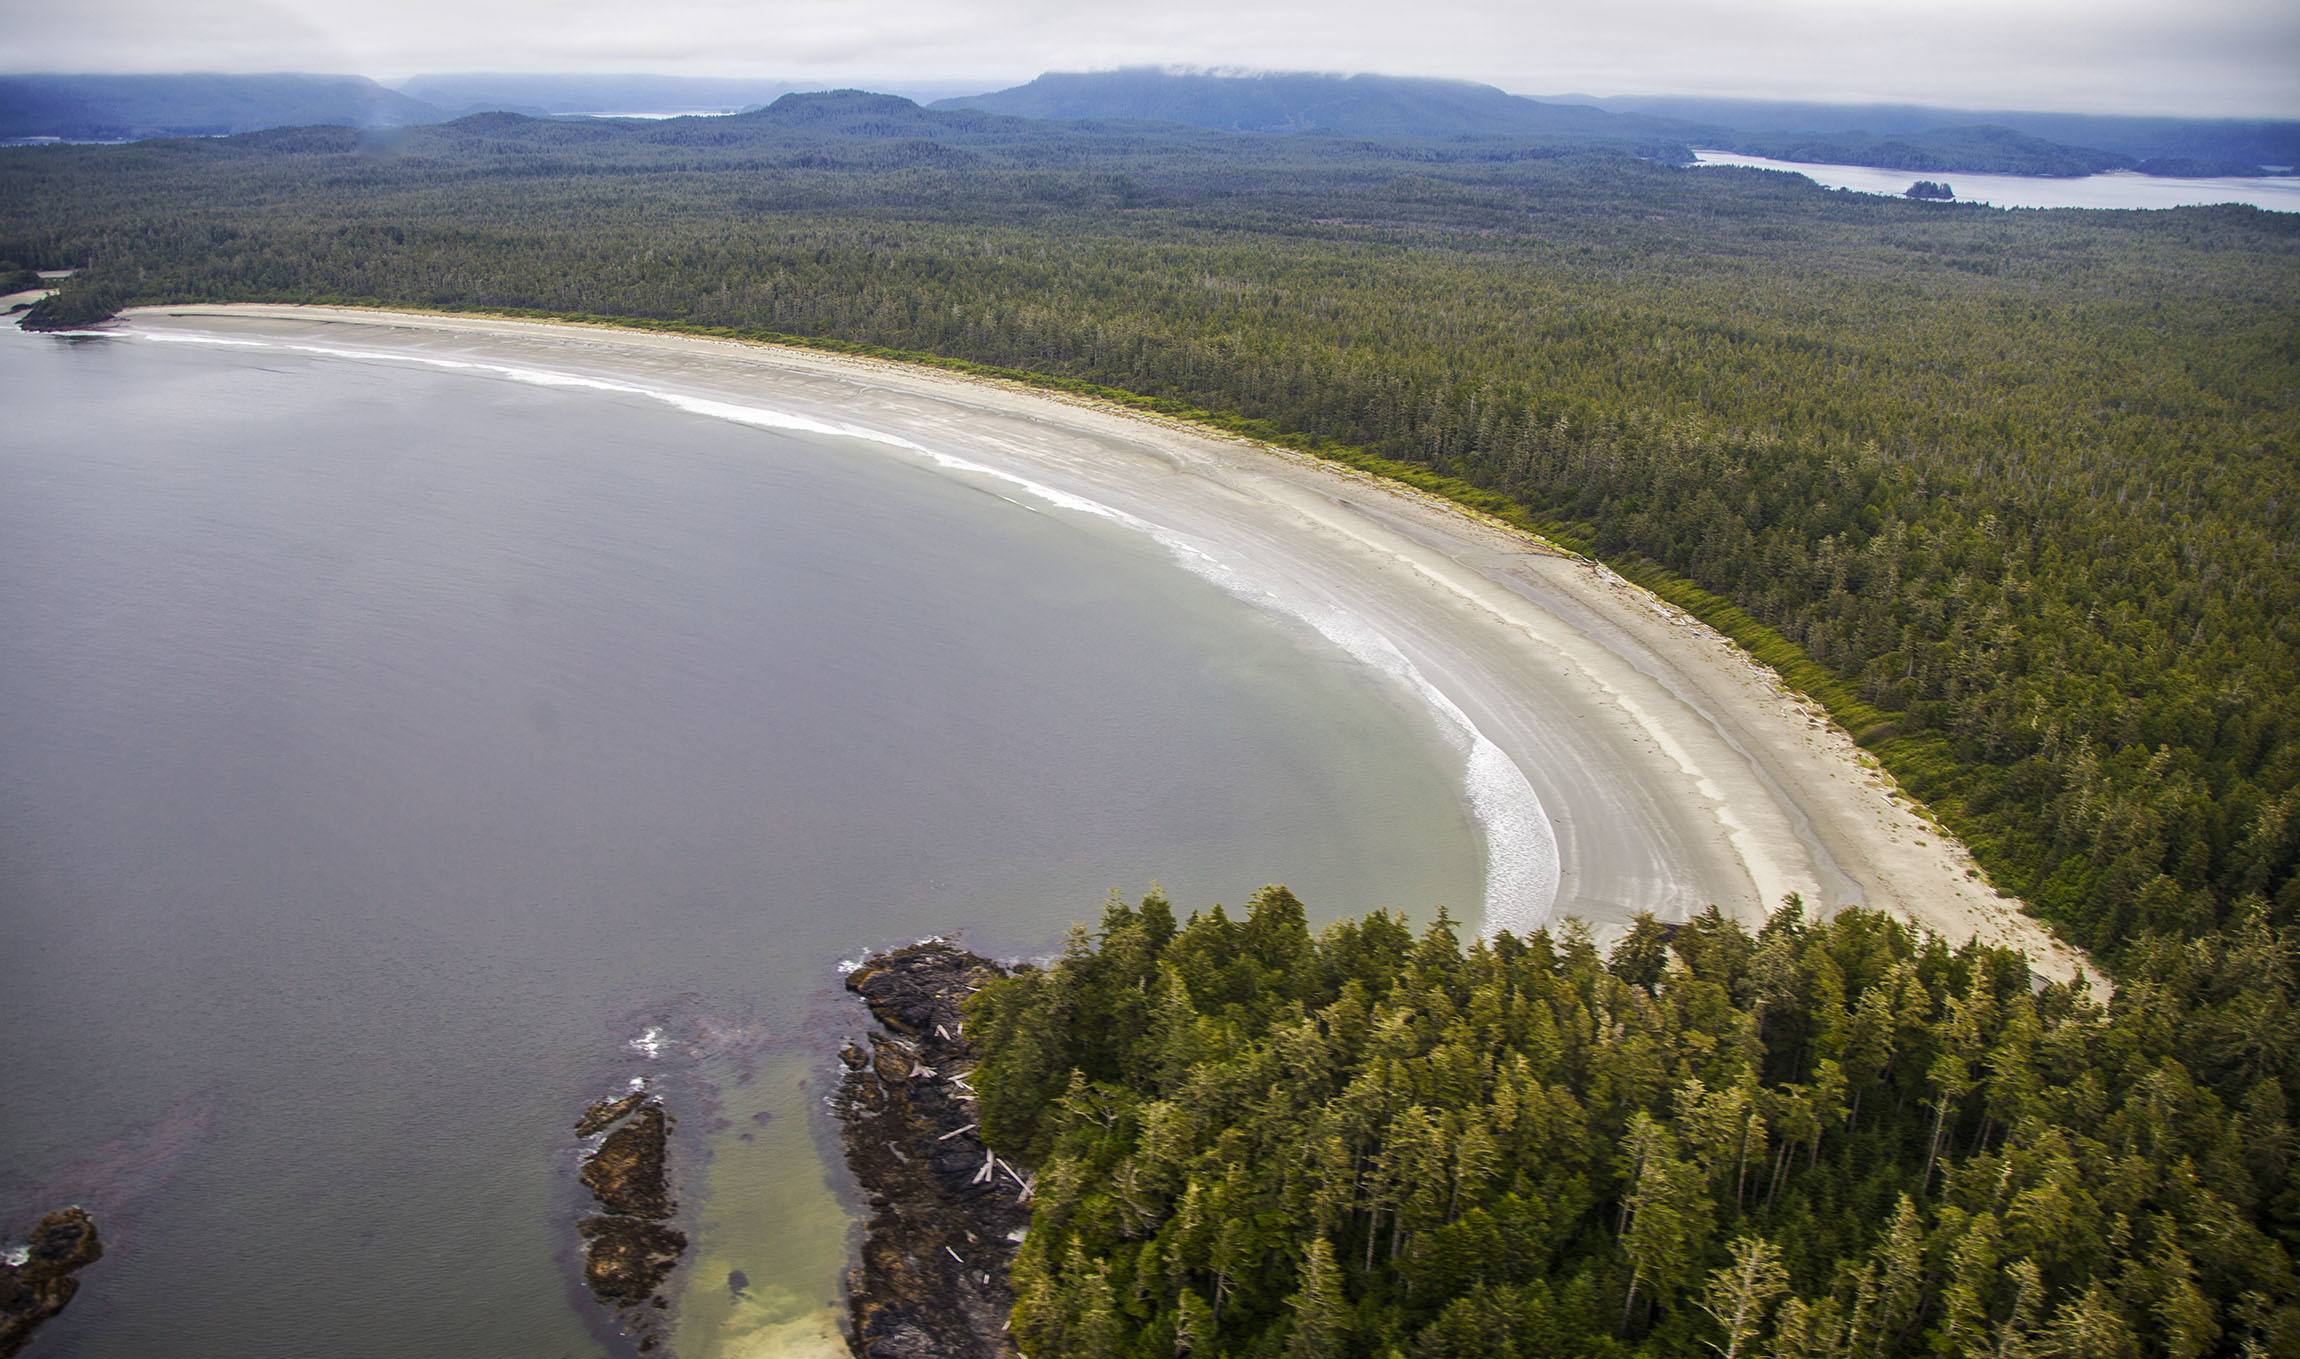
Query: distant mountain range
[545, 95]
[1904, 137]
[137, 107]
[132, 107]
[1340, 105]
[542, 95]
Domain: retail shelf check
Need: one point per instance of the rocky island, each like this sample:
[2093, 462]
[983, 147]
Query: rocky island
[945, 1212]
[37, 1280]
[72, 309]
[628, 1248]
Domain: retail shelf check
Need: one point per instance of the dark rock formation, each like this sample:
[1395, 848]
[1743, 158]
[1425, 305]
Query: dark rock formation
[61, 1244]
[628, 1250]
[607, 1113]
[945, 1215]
[626, 1258]
[628, 1174]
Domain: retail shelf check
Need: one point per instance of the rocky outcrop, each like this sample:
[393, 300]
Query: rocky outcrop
[607, 1113]
[945, 1213]
[36, 1286]
[628, 1250]
[626, 1258]
[629, 1172]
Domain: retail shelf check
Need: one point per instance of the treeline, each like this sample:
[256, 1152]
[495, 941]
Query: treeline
[1821, 1140]
[2016, 493]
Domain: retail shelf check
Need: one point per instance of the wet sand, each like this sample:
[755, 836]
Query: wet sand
[1673, 770]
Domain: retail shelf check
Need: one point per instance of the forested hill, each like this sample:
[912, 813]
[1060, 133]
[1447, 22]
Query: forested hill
[1814, 1141]
[2014, 493]
[2247, 141]
[1336, 105]
[480, 92]
[116, 107]
[1983, 149]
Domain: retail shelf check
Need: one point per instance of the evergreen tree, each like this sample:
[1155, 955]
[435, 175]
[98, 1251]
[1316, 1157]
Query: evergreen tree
[1321, 1326]
[1362, 1145]
[1740, 1294]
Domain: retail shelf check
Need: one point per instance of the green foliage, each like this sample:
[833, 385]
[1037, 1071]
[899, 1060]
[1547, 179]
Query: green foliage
[77, 304]
[1820, 1140]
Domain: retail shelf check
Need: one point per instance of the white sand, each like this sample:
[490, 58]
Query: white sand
[1675, 770]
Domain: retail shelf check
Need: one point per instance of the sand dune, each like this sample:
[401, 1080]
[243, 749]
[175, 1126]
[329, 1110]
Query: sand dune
[1629, 756]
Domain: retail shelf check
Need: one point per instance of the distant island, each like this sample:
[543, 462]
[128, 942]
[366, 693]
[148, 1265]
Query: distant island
[1930, 188]
[2198, 167]
[1983, 149]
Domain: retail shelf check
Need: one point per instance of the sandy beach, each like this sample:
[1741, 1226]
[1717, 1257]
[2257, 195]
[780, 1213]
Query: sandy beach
[1621, 755]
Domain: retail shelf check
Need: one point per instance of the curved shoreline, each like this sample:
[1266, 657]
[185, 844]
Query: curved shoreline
[1676, 771]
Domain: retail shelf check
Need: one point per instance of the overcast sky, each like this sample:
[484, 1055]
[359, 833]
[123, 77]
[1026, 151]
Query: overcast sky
[2166, 56]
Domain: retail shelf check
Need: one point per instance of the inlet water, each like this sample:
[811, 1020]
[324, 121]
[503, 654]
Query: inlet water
[2122, 189]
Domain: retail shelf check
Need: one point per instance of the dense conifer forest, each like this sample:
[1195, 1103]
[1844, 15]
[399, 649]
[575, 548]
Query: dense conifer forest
[2017, 494]
[1822, 1139]
[1985, 150]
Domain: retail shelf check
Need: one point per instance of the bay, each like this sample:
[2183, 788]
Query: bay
[392, 760]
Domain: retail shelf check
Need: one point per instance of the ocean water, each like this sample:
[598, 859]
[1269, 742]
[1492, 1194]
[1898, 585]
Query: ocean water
[393, 759]
[2124, 189]
[1522, 863]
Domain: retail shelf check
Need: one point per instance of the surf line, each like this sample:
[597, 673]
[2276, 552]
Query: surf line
[1522, 865]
